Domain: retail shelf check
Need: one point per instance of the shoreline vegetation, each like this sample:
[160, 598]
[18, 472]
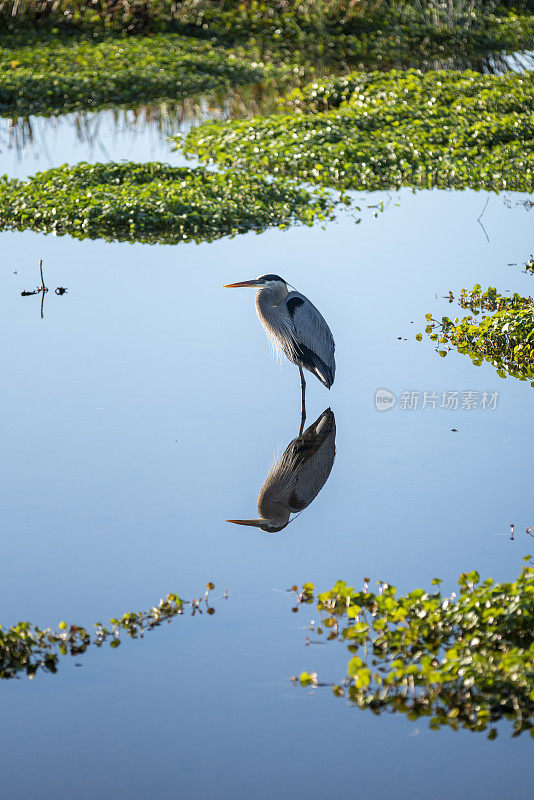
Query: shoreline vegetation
[283, 25]
[61, 55]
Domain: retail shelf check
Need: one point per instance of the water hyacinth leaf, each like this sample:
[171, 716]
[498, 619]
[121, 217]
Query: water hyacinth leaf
[500, 331]
[354, 666]
[390, 129]
[153, 203]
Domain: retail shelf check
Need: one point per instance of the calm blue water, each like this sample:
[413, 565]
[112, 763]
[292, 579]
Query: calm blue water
[144, 410]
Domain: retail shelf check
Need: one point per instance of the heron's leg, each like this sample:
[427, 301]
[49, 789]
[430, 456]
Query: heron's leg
[302, 400]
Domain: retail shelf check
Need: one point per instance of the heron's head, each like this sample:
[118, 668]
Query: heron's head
[269, 281]
[268, 526]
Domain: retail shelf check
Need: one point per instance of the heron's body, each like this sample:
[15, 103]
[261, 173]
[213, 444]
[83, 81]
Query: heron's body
[294, 323]
[297, 327]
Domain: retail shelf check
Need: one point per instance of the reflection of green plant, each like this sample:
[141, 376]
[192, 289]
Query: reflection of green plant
[65, 73]
[152, 203]
[504, 337]
[382, 130]
[464, 661]
[242, 17]
[27, 648]
[78, 59]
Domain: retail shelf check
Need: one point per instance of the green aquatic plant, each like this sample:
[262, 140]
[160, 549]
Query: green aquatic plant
[152, 203]
[417, 95]
[62, 73]
[503, 335]
[386, 130]
[80, 57]
[463, 661]
[25, 648]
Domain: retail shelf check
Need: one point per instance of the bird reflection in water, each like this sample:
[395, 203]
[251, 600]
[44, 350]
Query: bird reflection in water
[297, 477]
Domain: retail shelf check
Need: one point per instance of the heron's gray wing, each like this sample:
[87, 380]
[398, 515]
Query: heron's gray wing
[311, 330]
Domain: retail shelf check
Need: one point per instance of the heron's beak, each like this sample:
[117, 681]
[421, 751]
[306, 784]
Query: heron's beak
[242, 283]
[255, 523]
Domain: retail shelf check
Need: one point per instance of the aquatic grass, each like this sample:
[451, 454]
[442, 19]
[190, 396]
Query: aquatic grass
[251, 15]
[153, 203]
[370, 32]
[387, 130]
[503, 335]
[234, 36]
[26, 648]
[463, 661]
[123, 15]
[340, 35]
[50, 73]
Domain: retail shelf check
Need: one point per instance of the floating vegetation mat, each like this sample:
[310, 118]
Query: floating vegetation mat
[153, 203]
[66, 73]
[503, 335]
[462, 661]
[386, 130]
[25, 648]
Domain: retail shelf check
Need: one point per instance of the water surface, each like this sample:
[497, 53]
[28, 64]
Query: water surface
[144, 410]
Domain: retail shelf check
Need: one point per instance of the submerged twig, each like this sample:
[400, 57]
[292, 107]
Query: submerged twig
[42, 289]
[479, 219]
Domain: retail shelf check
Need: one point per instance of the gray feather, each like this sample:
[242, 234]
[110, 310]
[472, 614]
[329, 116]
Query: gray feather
[298, 329]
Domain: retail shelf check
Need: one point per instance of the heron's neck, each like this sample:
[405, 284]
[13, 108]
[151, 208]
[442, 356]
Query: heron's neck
[271, 296]
[274, 512]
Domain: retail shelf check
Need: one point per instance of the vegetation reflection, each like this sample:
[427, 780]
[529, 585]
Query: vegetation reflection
[465, 660]
[25, 648]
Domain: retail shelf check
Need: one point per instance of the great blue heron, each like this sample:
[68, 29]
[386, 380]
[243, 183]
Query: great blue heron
[297, 477]
[295, 326]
